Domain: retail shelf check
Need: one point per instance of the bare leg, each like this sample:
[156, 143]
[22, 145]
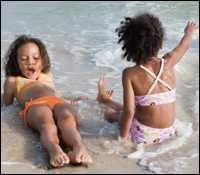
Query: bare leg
[68, 123]
[114, 109]
[40, 118]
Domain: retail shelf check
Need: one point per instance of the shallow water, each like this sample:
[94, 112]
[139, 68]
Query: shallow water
[82, 45]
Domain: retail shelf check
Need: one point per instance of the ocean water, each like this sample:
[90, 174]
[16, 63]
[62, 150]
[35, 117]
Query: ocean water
[82, 44]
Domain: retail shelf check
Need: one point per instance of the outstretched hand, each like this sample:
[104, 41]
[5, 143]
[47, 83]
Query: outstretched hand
[191, 27]
[103, 94]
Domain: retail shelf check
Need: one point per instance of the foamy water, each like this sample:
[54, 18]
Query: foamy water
[82, 45]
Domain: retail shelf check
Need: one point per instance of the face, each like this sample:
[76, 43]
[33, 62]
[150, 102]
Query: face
[29, 60]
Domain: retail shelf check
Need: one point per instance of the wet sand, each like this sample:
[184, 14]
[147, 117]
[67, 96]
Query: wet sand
[21, 152]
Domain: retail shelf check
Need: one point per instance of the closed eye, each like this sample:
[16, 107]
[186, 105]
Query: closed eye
[37, 58]
[24, 58]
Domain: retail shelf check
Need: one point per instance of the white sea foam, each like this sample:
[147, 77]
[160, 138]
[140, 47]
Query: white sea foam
[184, 131]
[111, 58]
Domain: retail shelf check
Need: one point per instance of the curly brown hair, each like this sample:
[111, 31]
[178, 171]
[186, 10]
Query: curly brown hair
[11, 64]
[141, 37]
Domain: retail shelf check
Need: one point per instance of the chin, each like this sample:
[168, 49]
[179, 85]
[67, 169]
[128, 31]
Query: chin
[31, 76]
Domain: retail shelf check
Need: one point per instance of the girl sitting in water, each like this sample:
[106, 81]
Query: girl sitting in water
[29, 80]
[149, 88]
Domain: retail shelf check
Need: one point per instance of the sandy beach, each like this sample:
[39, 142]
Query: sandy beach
[26, 155]
[102, 165]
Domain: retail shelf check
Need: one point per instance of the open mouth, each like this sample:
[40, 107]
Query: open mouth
[31, 71]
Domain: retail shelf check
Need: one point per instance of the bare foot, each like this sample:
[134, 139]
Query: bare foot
[57, 157]
[79, 154]
[102, 93]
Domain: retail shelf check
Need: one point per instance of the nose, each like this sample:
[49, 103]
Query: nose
[31, 60]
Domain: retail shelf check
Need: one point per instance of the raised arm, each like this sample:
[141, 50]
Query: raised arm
[129, 105]
[173, 57]
[9, 90]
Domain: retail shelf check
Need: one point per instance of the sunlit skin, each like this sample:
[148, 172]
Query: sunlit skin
[29, 60]
[136, 82]
[40, 117]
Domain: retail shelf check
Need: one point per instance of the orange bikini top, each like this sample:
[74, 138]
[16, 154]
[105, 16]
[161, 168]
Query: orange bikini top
[23, 83]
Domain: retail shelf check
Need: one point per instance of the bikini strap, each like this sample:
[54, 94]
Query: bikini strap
[157, 78]
[19, 83]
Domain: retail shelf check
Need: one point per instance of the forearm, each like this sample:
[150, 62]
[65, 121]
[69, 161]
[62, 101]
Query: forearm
[177, 53]
[183, 44]
[113, 104]
[125, 125]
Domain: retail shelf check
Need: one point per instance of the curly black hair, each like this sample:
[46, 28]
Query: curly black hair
[141, 37]
[11, 64]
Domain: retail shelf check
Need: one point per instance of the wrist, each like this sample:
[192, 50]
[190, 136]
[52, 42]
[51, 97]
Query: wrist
[121, 139]
[123, 136]
[188, 34]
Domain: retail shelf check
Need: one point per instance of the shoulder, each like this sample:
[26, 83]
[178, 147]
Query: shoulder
[9, 90]
[49, 74]
[10, 80]
[127, 74]
[129, 71]
[10, 83]
[46, 76]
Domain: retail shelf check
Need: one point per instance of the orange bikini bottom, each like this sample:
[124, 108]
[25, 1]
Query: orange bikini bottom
[51, 101]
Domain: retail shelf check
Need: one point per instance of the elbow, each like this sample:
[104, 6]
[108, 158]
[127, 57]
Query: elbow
[7, 101]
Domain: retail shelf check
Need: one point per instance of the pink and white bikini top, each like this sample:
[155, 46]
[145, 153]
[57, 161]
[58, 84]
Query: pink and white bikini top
[158, 98]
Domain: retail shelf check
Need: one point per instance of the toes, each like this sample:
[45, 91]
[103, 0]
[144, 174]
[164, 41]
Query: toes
[54, 163]
[90, 160]
[72, 157]
[66, 159]
[60, 161]
[86, 159]
[79, 157]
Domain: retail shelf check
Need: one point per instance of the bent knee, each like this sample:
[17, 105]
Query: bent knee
[112, 116]
[66, 117]
[48, 127]
[109, 112]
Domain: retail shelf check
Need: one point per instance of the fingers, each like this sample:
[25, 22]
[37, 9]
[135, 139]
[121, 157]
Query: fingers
[195, 25]
[110, 92]
[192, 24]
[102, 78]
[191, 27]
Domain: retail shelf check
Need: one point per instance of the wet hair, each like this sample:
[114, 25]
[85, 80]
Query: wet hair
[141, 37]
[11, 64]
